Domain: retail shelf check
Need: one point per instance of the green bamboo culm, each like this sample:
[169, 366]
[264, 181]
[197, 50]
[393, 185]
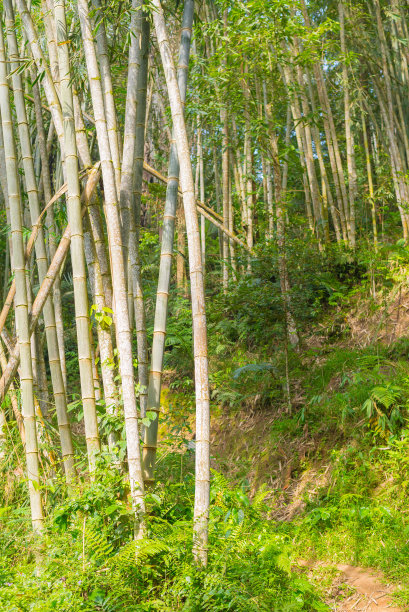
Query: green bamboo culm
[200, 355]
[40, 249]
[165, 266]
[134, 255]
[77, 241]
[21, 305]
[121, 314]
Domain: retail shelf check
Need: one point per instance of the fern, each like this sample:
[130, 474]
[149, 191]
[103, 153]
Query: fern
[97, 547]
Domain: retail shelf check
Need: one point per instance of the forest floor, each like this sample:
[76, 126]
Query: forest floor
[353, 588]
[336, 482]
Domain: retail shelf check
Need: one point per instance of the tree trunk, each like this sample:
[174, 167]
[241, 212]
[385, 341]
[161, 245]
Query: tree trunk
[41, 255]
[168, 228]
[21, 310]
[77, 242]
[123, 332]
[202, 468]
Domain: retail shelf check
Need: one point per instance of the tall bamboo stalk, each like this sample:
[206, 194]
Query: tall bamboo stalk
[51, 227]
[77, 241]
[41, 255]
[21, 309]
[126, 188]
[103, 330]
[352, 179]
[168, 229]
[202, 463]
[370, 180]
[108, 91]
[139, 304]
[123, 332]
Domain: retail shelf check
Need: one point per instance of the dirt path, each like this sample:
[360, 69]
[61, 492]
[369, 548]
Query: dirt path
[357, 589]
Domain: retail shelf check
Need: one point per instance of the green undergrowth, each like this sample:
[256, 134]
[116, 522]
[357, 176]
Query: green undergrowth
[87, 559]
[356, 410]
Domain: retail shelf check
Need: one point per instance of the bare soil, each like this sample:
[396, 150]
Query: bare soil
[358, 589]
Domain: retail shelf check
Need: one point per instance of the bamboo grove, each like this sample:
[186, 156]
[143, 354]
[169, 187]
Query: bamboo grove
[257, 116]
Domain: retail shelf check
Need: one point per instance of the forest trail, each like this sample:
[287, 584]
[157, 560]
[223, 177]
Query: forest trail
[358, 589]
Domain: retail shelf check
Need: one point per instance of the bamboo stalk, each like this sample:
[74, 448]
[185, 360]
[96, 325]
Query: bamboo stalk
[77, 241]
[21, 309]
[41, 254]
[47, 285]
[123, 332]
[202, 463]
[139, 152]
[162, 293]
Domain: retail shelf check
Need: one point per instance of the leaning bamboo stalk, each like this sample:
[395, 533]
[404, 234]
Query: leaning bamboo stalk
[202, 208]
[50, 219]
[123, 332]
[103, 331]
[29, 249]
[165, 266]
[47, 285]
[13, 398]
[21, 310]
[202, 462]
[40, 249]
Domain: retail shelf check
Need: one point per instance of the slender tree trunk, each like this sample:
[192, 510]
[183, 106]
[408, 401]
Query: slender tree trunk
[231, 230]
[202, 467]
[370, 180]
[168, 228]
[225, 177]
[352, 179]
[41, 254]
[139, 304]
[249, 168]
[181, 281]
[291, 328]
[77, 242]
[21, 310]
[217, 194]
[123, 332]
